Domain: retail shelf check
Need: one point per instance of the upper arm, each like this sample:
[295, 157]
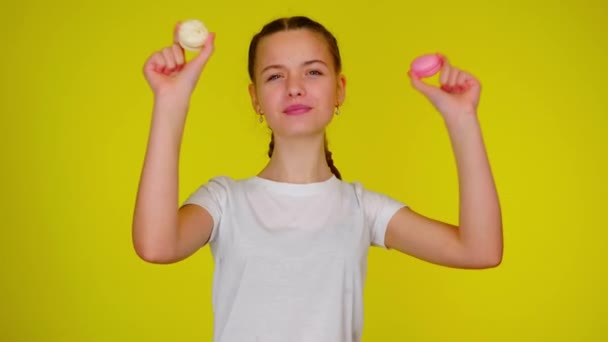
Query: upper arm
[199, 216]
[428, 239]
[194, 230]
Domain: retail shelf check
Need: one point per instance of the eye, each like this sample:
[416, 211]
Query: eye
[273, 77]
[315, 73]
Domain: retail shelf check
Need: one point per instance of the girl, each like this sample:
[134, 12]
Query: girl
[290, 243]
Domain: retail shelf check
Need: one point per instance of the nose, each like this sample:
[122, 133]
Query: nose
[295, 87]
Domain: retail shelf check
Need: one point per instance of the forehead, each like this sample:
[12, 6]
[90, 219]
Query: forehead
[292, 47]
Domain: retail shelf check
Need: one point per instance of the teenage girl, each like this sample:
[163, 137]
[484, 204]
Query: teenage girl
[290, 243]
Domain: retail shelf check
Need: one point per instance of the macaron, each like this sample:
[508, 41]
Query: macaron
[192, 34]
[426, 65]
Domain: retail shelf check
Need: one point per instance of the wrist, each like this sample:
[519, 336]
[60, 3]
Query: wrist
[170, 113]
[174, 105]
[464, 117]
[171, 99]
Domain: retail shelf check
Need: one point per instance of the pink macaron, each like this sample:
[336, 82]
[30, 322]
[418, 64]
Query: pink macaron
[426, 65]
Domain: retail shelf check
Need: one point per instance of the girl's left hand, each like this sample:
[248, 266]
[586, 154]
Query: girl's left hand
[458, 94]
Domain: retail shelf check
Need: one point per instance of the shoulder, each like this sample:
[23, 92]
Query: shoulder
[373, 201]
[217, 187]
[378, 208]
[361, 191]
[223, 182]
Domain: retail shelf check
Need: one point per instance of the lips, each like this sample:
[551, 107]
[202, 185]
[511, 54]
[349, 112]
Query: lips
[297, 109]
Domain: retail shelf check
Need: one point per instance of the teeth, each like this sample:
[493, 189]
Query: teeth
[192, 34]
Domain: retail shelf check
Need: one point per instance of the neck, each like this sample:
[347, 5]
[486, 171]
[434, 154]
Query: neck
[299, 160]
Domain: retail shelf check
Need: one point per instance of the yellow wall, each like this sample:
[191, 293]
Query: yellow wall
[75, 114]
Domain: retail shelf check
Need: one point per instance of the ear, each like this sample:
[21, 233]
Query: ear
[254, 99]
[341, 90]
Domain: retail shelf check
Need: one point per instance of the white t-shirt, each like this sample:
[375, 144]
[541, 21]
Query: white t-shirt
[291, 259]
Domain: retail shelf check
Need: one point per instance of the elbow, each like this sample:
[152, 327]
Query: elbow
[152, 252]
[154, 256]
[151, 256]
[491, 258]
[492, 261]
[486, 253]
[494, 254]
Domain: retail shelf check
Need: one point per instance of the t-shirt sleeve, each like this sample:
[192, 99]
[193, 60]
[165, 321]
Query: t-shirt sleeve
[211, 196]
[378, 210]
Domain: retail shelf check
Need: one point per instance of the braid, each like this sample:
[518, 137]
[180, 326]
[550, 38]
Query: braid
[271, 145]
[328, 157]
[330, 161]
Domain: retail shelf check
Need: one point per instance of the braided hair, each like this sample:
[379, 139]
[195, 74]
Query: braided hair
[328, 158]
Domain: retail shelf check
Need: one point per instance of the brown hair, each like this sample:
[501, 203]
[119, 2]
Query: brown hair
[295, 23]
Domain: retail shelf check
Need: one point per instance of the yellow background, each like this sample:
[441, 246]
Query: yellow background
[75, 113]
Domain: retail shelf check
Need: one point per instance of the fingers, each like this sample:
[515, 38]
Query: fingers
[208, 47]
[462, 79]
[426, 89]
[450, 84]
[156, 63]
[194, 68]
[452, 79]
[445, 70]
[171, 60]
[176, 33]
[167, 61]
[448, 75]
[178, 50]
[178, 54]
[170, 64]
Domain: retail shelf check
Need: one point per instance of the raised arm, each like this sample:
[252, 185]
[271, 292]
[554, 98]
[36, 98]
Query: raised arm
[161, 233]
[477, 240]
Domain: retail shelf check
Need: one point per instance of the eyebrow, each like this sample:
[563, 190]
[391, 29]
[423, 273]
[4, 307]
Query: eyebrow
[279, 66]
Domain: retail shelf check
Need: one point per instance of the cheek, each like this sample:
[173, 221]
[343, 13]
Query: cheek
[270, 93]
[327, 94]
[265, 98]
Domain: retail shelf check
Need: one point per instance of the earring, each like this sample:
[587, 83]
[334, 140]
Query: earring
[337, 110]
[261, 118]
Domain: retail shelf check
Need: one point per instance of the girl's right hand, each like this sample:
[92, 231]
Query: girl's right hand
[168, 73]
